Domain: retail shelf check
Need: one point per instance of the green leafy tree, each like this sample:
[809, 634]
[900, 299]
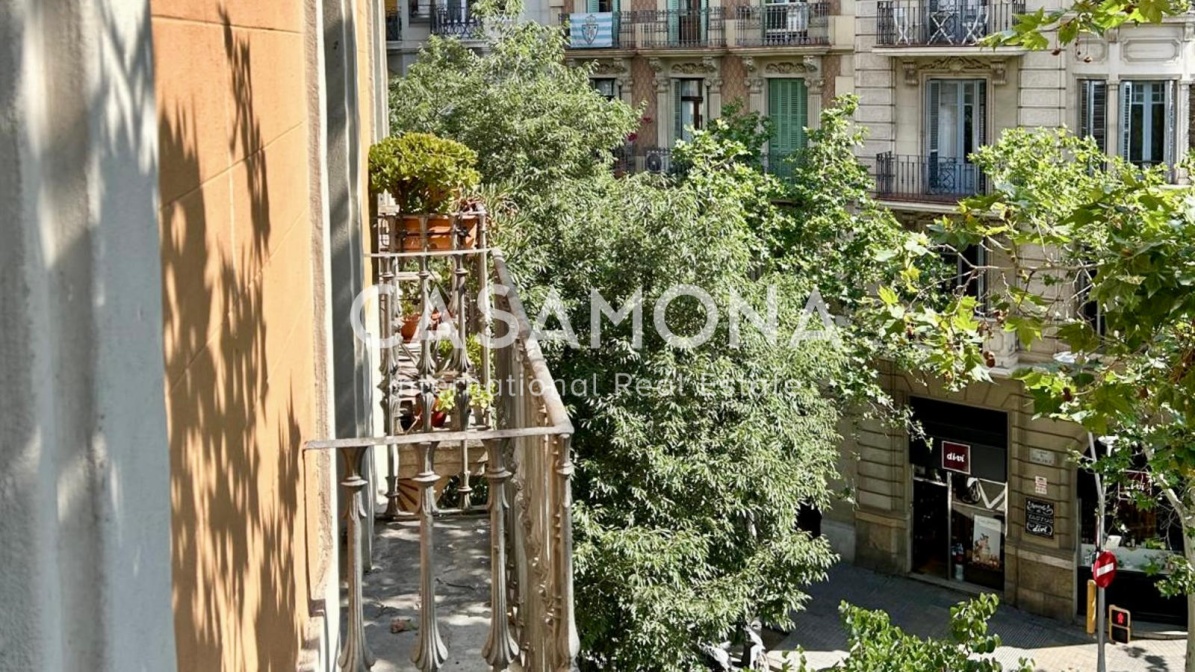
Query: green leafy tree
[1098, 264]
[693, 462]
[874, 644]
[1058, 28]
[531, 118]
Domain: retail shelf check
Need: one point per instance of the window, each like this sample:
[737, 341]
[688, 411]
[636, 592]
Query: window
[788, 108]
[690, 107]
[607, 87]
[969, 273]
[1147, 122]
[1093, 115]
[594, 6]
[1089, 309]
[955, 125]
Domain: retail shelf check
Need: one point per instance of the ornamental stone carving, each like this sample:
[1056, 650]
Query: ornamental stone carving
[706, 66]
[955, 64]
[788, 68]
[609, 67]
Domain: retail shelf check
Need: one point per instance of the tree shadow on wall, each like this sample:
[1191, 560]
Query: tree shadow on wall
[235, 461]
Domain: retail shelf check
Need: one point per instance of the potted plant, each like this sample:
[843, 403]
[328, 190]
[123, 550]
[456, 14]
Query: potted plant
[429, 178]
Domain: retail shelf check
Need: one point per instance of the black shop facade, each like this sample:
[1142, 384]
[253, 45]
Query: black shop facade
[959, 467]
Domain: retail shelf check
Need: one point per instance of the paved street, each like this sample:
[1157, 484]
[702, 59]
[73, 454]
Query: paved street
[924, 610]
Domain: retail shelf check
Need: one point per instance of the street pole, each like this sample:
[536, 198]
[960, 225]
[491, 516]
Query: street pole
[1101, 634]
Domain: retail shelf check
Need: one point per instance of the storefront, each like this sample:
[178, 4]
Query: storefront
[960, 493]
[1141, 538]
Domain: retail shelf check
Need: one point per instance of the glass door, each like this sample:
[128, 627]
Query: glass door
[956, 119]
[931, 524]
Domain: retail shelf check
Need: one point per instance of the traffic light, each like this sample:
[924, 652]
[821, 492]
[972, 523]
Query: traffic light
[1119, 625]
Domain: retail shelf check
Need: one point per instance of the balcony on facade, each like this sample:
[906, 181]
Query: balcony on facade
[393, 26]
[926, 179]
[681, 29]
[942, 23]
[456, 21]
[431, 315]
[797, 24]
[659, 160]
[599, 30]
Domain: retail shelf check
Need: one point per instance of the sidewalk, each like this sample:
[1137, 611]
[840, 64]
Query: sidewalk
[924, 610]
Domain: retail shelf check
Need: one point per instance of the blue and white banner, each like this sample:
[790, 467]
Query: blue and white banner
[591, 30]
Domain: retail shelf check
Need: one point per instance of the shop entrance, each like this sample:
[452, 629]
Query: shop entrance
[960, 493]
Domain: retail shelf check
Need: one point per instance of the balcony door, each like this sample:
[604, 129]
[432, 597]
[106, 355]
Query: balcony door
[955, 126]
[687, 24]
[956, 21]
[690, 107]
[1147, 122]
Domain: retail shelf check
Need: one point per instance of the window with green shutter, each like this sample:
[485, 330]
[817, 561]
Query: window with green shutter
[788, 108]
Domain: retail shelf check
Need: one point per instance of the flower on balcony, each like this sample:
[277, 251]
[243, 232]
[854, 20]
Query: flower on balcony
[645, 119]
[632, 137]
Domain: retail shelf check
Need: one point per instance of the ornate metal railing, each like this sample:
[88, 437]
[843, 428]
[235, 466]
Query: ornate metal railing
[599, 30]
[456, 21]
[393, 26]
[681, 28]
[447, 339]
[920, 23]
[783, 25]
[931, 178]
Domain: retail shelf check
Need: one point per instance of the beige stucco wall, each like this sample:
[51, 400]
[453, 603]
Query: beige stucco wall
[251, 516]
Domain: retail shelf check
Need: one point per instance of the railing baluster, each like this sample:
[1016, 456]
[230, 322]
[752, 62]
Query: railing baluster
[430, 653]
[568, 643]
[355, 655]
[500, 647]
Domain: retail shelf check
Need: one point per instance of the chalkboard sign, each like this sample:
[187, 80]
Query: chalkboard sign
[1039, 518]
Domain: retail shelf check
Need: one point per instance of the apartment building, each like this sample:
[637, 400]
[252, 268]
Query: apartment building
[992, 500]
[409, 23]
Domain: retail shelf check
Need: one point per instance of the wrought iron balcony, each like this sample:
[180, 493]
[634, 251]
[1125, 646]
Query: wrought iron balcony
[944, 23]
[393, 26]
[599, 30]
[927, 178]
[783, 25]
[682, 28]
[446, 342]
[456, 21]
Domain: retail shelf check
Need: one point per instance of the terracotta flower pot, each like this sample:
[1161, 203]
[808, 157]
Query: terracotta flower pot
[439, 232]
[410, 324]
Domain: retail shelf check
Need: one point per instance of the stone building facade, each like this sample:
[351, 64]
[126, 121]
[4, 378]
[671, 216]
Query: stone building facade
[1011, 513]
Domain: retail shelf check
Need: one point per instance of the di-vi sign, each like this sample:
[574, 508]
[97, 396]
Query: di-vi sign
[956, 457]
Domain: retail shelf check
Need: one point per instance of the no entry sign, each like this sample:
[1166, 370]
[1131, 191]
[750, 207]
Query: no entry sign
[1103, 570]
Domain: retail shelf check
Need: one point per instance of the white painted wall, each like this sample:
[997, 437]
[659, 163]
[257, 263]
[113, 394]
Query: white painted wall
[84, 463]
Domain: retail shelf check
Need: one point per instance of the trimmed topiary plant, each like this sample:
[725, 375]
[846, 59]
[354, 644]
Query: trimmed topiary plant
[424, 173]
[429, 178]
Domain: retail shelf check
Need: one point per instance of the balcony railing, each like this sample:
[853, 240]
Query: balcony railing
[682, 28]
[921, 178]
[599, 30]
[919, 23]
[433, 309]
[456, 21]
[783, 25]
[393, 27]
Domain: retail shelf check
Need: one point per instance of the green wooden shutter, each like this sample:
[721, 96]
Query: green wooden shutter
[788, 107]
[591, 6]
